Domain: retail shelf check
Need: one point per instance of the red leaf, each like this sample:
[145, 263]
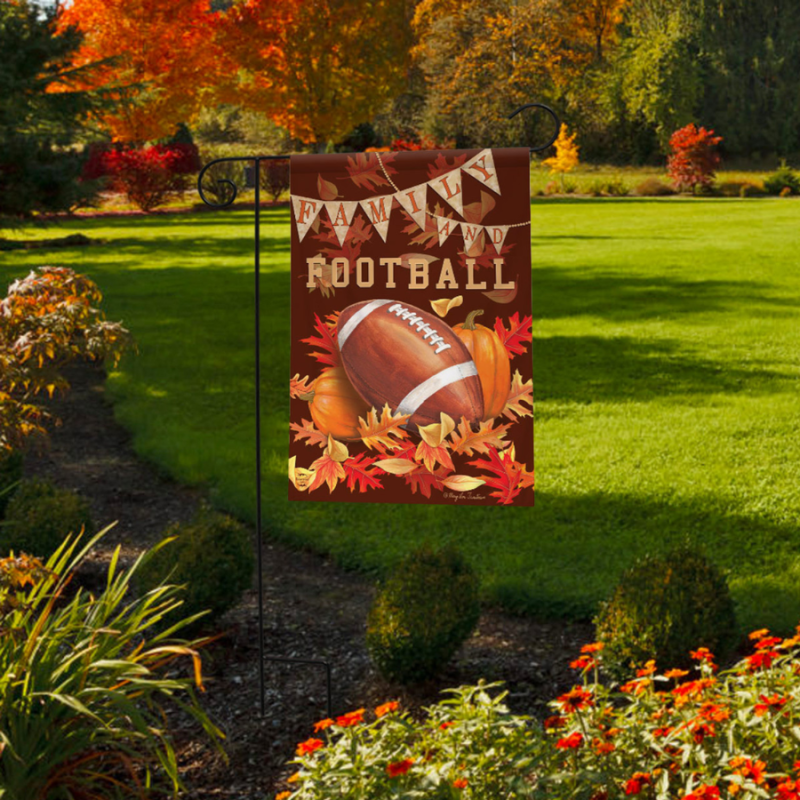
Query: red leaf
[365, 170]
[517, 334]
[424, 480]
[327, 341]
[326, 471]
[440, 166]
[508, 473]
[357, 471]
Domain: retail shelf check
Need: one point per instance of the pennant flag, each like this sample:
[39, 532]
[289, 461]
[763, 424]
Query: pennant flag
[481, 167]
[341, 216]
[471, 233]
[413, 201]
[305, 212]
[448, 186]
[445, 227]
[497, 235]
[378, 210]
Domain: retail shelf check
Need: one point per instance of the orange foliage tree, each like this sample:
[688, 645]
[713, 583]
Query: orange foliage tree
[160, 56]
[316, 67]
[595, 23]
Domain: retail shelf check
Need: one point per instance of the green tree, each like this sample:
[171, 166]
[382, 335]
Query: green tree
[40, 113]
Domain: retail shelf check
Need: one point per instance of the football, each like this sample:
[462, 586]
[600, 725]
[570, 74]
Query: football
[401, 355]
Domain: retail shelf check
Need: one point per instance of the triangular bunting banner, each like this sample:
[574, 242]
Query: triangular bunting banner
[448, 186]
[413, 201]
[471, 234]
[341, 216]
[378, 210]
[497, 235]
[305, 212]
[481, 167]
[445, 227]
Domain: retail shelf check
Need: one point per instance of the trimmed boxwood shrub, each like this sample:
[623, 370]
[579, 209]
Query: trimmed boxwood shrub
[212, 555]
[664, 606]
[40, 515]
[422, 615]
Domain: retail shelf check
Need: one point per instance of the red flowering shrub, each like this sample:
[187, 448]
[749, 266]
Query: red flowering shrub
[693, 160]
[146, 175]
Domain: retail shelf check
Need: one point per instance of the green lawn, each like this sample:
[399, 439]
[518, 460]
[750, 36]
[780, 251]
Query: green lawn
[666, 365]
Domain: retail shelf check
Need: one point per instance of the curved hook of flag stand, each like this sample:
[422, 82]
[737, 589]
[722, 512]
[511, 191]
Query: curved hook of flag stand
[228, 192]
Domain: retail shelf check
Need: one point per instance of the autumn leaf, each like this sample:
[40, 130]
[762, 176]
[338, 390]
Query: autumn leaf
[431, 456]
[327, 189]
[326, 470]
[503, 295]
[337, 450]
[298, 386]
[425, 480]
[397, 466]
[462, 483]
[306, 430]
[326, 341]
[467, 441]
[332, 320]
[441, 165]
[505, 477]
[377, 433]
[365, 170]
[358, 471]
[521, 392]
[517, 334]
[441, 307]
[428, 238]
[477, 211]
[432, 449]
[407, 258]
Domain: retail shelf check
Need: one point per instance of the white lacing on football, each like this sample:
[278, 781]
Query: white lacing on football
[419, 394]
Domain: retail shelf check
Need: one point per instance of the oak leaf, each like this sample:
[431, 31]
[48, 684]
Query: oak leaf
[365, 170]
[298, 386]
[377, 432]
[306, 430]
[425, 480]
[360, 470]
[520, 392]
[517, 334]
[441, 165]
[430, 456]
[467, 441]
[505, 477]
[326, 341]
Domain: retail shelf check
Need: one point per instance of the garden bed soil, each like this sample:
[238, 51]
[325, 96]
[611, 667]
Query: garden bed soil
[312, 609]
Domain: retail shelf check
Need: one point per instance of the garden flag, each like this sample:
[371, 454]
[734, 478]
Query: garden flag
[411, 328]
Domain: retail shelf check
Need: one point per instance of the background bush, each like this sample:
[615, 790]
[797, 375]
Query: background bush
[40, 515]
[783, 178]
[10, 474]
[212, 555]
[423, 614]
[662, 607]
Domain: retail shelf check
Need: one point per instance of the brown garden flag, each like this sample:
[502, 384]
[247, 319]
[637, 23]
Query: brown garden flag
[411, 324]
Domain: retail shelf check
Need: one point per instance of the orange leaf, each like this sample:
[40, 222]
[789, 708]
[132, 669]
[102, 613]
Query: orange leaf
[466, 441]
[503, 295]
[430, 456]
[505, 477]
[327, 190]
[358, 471]
[326, 341]
[377, 433]
[517, 334]
[298, 386]
[521, 392]
[327, 471]
[425, 480]
[306, 430]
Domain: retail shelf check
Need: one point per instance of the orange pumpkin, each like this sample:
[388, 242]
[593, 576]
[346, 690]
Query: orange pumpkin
[335, 405]
[491, 359]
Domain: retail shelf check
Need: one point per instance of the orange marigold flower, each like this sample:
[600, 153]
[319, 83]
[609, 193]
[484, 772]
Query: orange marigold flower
[759, 634]
[714, 712]
[445, 725]
[583, 662]
[766, 644]
[761, 660]
[322, 725]
[399, 767]
[772, 703]
[703, 792]
[594, 647]
[702, 654]
[571, 742]
[554, 722]
[747, 768]
[351, 718]
[658, 733]
[460, 783]
[293, 778]
[636, 782]
[387, 708]
[575, 699]
[703, 730]
[676, 673]
[648, 669]
[636, 686]
[283, 795]
[309, 746]
[603, 748]
[788, 790]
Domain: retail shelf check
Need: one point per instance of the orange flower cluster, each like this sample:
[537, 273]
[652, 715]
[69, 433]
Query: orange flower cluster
[397, 768]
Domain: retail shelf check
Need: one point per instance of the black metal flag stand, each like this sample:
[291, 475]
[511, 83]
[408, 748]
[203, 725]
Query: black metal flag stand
[227, 191]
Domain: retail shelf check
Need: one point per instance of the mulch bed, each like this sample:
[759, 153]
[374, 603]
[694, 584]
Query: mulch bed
[312, 609]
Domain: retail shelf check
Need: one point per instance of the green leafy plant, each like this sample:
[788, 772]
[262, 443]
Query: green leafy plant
[783, 178]
[84, 682]
[10, 476]
[212, 556]
[422, 615]
[39, 515]
[663, 606]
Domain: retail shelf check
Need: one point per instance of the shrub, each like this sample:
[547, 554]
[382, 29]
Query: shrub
[423, 614]
[783, 178]
[664, 734]
[146, 175]
[662, 606]
[85, 683]
[212, 555]
[275, 177]
[40, 515]
[653, 187]
[10, 476]
[693, 160]
[751, 190]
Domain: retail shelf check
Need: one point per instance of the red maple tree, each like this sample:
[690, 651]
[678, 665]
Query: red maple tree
[693, 160]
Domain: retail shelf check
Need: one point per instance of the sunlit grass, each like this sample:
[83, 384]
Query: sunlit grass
[666, 376]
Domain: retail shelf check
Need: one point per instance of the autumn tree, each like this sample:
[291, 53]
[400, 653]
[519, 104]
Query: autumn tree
[566, 157]
[595, 22]
[317, 67]
[162, 56]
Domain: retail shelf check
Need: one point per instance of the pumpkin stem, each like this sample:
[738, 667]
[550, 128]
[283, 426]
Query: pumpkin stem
[307, 396]
[469, 324]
